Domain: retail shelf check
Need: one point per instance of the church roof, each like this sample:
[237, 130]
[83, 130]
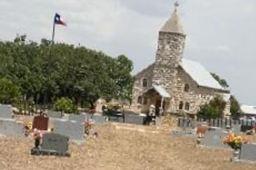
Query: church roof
[162, 92]
[173, 24]
[199, 74]
[248, 109]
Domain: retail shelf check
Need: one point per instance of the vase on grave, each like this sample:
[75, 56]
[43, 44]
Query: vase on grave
[236, 154]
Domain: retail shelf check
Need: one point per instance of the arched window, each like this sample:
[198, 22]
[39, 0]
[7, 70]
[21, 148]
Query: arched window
[187, 105]
[186, 88]
[145, 83]
[145, 100]
[139, 100]
[181, 105]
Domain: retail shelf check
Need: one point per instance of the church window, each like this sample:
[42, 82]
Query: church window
[181, 105]
[186, 88]
[145, 83]
[145, 101]
[140, 100]
[187, 105]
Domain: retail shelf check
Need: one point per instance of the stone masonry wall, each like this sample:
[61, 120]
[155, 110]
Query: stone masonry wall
[138, 88]
[168, 57]
[196, 95]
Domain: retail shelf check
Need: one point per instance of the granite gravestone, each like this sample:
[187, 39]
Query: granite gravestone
[214, 138]
[54, 114]
[182, 133]
[73, 129]
[99, 119]
[79, 118]
[5, 111]
[40, 122]
[134, 119]
[52, 144]
[10, 127]
[236, 129]
[248, 152]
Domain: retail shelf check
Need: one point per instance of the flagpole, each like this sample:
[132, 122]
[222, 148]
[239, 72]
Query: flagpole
[53, 31]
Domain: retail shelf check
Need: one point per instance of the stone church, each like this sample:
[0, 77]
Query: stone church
[173, 84]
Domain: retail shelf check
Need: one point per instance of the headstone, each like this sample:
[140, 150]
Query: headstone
[99, 119]
[55, 142]
[214, 138]
[180, 133]
[52, 143]
[5, 111]
[73, 129]
[54, 114]
[248, 152]
[236, 128]
[134, 119]
[40, 122]
[78, 118]
[9, 127]
[118, 119]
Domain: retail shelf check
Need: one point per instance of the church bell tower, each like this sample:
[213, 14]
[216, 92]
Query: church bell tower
[171, 42]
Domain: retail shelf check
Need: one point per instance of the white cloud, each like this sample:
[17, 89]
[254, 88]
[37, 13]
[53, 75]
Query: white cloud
[220, 34]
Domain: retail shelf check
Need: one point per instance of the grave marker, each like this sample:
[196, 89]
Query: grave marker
[134, 119]
[9, 127]
[73, 129]
[248, 152]
[40, 122]
[52, 143]
[214, 138]
[5, 111]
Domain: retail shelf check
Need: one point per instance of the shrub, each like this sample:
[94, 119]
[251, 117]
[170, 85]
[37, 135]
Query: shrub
[65, 105]
[213, 109]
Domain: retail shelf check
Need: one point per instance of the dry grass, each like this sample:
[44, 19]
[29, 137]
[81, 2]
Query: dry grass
[120, 147]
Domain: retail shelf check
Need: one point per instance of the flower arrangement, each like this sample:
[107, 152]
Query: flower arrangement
[234, 141]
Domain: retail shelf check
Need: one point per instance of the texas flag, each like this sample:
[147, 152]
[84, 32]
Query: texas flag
[59, 20]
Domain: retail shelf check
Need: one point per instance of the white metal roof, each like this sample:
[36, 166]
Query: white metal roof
[161, 91]
[248, 109]
[199, 74]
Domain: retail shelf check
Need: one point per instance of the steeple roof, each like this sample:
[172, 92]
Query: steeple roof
[173, 24]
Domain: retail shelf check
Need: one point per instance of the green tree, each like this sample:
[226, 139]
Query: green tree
[235, 106]
[44, 72]
[9, 92]
[221, 81]
[213, 109]
[65, 105]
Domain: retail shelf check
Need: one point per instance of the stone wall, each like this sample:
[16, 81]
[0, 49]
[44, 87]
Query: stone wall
[168, 57]
[138, 88]
[196, 96]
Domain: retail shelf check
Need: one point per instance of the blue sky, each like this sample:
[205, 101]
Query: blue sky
[220, 34]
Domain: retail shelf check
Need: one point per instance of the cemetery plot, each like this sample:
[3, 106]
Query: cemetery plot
[99, 119]
[52, 144]
[40, 122]
[248, 152]
[54, 114]
[5, 111]
[214, 138]
[134, 119]
[73, 129]
[10, 127]
[78, 118]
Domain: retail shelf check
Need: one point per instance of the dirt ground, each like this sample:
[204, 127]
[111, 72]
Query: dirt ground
[121, 147]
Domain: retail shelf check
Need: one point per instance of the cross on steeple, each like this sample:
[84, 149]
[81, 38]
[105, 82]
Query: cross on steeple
[176, 4]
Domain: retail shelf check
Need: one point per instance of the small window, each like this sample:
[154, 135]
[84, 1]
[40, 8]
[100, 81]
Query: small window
[186, 88]
[187, 106]
[145, 83]
[139, 100]
[145, 101]
[181, 105]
